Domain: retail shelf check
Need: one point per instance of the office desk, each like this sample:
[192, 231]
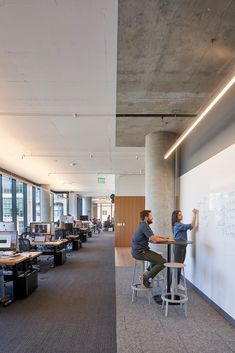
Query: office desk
[12, 261]
[58, 249]
[25, 281]
[76, 242]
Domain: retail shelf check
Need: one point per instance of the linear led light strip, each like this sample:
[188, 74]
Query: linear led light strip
[197, 121]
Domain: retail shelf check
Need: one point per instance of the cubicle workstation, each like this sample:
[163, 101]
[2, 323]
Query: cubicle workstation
[43, 238]
[17, 267]
[22, 273]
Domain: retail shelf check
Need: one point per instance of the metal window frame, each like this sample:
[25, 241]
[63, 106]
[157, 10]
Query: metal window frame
[1, 205]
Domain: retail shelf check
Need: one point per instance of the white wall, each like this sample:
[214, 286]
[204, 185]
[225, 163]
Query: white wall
[129, 185]
[210, 260]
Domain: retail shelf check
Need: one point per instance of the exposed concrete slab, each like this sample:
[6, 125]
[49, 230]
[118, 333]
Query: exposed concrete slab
[172, 55]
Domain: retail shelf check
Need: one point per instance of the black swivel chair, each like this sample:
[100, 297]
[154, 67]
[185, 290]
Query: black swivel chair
[24, 244]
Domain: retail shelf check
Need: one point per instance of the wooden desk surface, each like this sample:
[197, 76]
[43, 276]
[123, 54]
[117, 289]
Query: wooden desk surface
[49, 243]
[9, 260]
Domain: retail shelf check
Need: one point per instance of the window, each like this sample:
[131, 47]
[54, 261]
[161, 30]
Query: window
[60, 205]
[38, 204]
[7, 199]
[20, 206]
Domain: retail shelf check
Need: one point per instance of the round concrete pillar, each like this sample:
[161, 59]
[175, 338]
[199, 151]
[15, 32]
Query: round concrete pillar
[160, 180]
[45, 203]
[86, 206]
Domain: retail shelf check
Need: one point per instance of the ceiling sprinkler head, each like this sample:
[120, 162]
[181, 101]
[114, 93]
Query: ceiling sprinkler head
[91, 155]
[75, 115]
[73, 164]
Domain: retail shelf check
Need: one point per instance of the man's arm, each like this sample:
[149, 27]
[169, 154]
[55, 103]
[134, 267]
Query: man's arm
[158, 239]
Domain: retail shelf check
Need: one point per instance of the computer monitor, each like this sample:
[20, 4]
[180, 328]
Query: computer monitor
[40, 228]
[7, 226]
[84, 218]
[8, 240]
[66, 219]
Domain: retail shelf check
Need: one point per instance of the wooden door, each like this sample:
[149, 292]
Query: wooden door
[127, 210]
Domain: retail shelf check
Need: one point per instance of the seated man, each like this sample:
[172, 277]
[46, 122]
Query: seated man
[140, 249]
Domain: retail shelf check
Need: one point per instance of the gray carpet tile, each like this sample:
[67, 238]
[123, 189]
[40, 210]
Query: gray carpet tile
[143, 328]
[72, 311]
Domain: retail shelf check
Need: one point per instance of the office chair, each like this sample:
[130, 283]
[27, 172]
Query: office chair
[59, 233]
[24, 244]
[25, 235]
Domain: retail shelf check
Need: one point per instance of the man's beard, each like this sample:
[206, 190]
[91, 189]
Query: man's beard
[149, 222]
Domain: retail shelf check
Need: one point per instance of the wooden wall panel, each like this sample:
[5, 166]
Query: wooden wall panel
[127, 209]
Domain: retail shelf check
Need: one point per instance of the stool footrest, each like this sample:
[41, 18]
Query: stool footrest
[167, 297]
[140, 287]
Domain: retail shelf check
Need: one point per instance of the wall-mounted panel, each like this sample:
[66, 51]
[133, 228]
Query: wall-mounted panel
[210, 260]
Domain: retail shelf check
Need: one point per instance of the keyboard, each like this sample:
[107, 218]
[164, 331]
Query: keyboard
[6, 253]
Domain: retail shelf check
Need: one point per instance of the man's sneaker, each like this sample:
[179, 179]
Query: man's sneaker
[181, 287]
[146, 282]
[5, 301]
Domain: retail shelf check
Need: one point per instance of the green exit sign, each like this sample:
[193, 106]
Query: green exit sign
[101, 180]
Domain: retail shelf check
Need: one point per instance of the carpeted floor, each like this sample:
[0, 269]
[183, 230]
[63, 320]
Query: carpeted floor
[72, 311]
[143, 328]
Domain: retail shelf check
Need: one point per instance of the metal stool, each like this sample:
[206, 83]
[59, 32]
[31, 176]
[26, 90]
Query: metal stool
[137, 282]
[174, 296]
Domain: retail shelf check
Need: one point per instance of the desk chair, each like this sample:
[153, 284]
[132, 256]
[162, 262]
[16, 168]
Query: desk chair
[24, 244]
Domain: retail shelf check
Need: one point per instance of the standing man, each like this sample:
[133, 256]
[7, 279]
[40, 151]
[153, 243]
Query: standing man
[140, 249]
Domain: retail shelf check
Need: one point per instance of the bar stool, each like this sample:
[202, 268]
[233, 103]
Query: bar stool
[137, 281]
[174, 296]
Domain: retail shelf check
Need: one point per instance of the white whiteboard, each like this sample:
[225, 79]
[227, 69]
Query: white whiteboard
[211, 259]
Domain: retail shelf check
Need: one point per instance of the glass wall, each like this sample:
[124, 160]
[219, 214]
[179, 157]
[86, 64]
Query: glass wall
[17, 203]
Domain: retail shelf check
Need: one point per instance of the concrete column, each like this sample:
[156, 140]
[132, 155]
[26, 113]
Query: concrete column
[86, 206]
[160, 180]
[45, 203]
[73, 204]
[95, 211]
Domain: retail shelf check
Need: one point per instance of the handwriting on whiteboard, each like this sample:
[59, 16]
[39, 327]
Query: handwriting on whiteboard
[219, 207]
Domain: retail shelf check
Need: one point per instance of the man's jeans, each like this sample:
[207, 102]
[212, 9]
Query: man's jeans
[156, 262]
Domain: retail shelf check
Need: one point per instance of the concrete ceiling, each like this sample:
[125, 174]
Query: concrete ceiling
[172, 56]
[68, 66]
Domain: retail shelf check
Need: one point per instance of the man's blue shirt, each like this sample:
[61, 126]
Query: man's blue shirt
[140, 238]
[180, 230]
